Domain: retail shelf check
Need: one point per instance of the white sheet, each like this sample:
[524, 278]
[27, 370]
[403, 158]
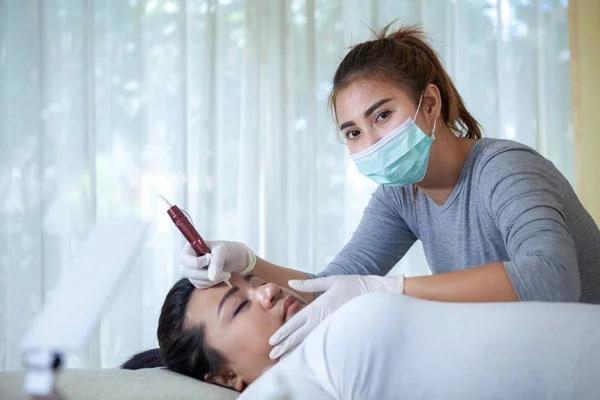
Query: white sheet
[389, 346]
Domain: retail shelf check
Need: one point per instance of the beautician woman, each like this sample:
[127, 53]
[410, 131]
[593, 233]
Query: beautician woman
[498, 221]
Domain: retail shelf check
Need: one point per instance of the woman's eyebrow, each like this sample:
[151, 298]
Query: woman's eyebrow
[346, 125]
[227, 295]
[375, 106]
[231, 292]
[369, 111]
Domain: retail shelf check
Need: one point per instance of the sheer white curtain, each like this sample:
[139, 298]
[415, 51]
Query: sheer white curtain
[221, 107]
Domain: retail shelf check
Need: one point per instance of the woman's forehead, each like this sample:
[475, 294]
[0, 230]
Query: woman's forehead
[361, 94]
[204, 302]
[366, 88]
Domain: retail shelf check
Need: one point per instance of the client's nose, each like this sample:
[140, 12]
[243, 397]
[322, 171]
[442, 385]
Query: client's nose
[267, 294]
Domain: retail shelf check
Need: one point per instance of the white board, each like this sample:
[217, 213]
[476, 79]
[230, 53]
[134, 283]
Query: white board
[74, 309]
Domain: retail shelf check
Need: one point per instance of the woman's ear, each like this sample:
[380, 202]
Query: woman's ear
[226, 378]
[432, 102]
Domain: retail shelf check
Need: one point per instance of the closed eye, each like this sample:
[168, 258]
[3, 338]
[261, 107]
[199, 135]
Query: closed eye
[239, 308]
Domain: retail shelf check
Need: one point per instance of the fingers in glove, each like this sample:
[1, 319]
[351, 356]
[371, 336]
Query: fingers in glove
[313, 285]
[295, 323]
[291, 342]
[222, 276]
[199, 278]
[188, 256]
[198, 274]
[217, 261]
[212, 243]
[199, 264]
[203, 261]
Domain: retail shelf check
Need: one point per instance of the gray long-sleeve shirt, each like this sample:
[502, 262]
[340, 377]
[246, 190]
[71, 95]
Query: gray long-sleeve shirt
[509, 205]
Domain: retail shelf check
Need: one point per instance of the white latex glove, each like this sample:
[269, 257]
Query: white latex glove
[224, 259]
[338, 290]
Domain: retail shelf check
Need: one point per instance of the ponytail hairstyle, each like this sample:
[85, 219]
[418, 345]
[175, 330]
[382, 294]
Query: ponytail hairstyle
[145, 359]
[406, 59]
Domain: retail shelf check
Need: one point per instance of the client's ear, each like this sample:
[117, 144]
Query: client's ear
[226, 378]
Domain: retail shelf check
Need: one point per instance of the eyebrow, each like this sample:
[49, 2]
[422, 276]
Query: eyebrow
[231, 292]
[227, 295]
[369, 111]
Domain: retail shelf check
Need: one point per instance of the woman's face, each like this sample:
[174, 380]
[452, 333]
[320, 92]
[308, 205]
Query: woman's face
[240, 320]
[369, 110]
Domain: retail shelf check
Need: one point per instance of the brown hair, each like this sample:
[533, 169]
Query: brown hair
[405, 58]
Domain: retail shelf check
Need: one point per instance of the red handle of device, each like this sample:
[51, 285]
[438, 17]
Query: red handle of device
[189, 232]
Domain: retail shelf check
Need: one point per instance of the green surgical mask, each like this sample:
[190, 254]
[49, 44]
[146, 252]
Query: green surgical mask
[400, 158]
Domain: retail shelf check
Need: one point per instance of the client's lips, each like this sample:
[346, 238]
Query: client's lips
[290, 304]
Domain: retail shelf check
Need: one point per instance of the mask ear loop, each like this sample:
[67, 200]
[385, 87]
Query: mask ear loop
[418, 107]
[417, 113]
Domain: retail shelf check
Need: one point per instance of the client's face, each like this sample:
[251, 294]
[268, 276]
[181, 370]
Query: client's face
[240, 320]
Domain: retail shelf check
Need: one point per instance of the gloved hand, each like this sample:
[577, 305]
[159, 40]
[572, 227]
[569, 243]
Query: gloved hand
[225, 258]
[338, 290]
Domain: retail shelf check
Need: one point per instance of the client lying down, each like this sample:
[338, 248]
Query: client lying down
[379, 346]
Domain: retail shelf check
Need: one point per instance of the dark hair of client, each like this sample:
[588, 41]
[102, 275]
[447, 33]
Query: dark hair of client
[182, 348]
